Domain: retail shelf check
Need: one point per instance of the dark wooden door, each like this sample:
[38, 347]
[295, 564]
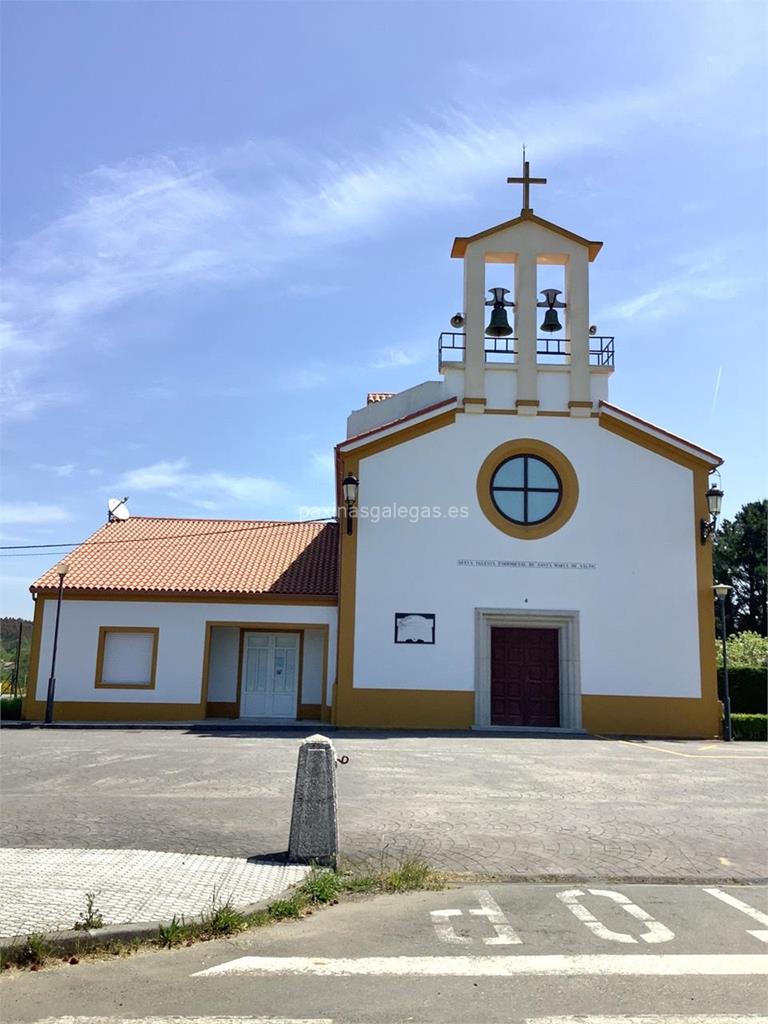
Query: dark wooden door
[525, 677]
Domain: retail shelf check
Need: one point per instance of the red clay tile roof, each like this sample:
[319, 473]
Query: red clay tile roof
[204, 556]
[378, 396]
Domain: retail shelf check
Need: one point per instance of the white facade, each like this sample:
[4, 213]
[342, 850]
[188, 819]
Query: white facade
[181, 647]
[638, 594]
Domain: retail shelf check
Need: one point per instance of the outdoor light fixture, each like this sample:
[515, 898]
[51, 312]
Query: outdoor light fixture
[61, 570]
[551, 303]
[349, 488]
[714, 503]
[721, 592]
[498, 325]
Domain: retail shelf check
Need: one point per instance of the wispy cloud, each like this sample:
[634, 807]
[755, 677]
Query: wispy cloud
[393, 358]
[690, 280]
[209, 490]
[65, 469]
[31, 513]
[168, 222]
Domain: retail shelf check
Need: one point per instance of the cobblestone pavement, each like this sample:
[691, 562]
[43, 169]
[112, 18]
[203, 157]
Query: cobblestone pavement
[514, 806]
[44, 889]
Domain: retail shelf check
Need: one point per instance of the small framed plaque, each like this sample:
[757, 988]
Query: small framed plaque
[414, 628]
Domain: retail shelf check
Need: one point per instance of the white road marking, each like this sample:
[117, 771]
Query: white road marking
[490, 909]
[656, 932]
[652, 1018]
[756, 915]
[644, 964]
[185, 1020]
[444, 928]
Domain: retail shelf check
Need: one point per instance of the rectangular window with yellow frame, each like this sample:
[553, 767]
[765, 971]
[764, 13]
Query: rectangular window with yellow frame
[127, 657]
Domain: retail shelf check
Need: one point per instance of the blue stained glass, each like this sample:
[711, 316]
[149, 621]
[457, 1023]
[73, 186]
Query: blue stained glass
[540, 474]
[510, 473]
[541, 504]
[510, 504]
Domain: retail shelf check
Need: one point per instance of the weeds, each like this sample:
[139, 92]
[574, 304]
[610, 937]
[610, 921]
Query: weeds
[34, 952]
[171, 934]
[320, 888]
[92, 918]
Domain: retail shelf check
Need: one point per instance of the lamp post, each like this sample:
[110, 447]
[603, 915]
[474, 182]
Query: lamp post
[721, 590]
[349, 488]
[62, 569]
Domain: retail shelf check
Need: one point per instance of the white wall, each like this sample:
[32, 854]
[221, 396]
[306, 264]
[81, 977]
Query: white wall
[224, 654]
[180, 644]
[637, 609]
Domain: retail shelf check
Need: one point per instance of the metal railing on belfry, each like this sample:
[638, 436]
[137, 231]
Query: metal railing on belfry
[451, 346]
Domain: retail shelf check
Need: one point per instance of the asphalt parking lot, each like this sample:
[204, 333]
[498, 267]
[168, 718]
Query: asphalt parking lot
[511, 806]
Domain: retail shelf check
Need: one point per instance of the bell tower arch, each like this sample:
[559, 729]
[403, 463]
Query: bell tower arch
[532, 349]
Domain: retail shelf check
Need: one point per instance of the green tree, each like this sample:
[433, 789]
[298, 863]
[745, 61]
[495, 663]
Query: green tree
[739, 555]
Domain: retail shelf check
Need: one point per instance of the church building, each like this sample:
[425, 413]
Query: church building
[500, 559]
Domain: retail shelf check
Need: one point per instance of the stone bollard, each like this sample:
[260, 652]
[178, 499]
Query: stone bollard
[314, 823]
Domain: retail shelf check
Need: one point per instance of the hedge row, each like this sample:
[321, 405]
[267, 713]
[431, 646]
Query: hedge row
[749, 727]
[10, 708]
[748, 689]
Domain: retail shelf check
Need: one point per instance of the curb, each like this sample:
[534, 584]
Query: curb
[71, 941]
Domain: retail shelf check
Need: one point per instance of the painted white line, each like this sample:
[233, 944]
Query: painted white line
[444, 928]
[490, 909]
[756, 915]
[651, 1018]
[646, 964]
[655, 932]
[185, 1020]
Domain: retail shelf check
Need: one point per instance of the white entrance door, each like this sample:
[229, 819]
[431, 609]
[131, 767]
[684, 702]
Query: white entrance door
[270, 675]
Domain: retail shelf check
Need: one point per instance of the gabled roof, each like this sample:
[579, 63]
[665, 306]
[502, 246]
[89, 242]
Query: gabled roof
[670, 443]
[199, 557]
[460, 244]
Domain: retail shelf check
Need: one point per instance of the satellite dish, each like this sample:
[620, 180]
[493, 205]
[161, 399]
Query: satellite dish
[117, 510]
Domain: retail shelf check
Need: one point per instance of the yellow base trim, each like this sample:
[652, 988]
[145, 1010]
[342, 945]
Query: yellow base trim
[407, 709]
[675, 717]
[113, 711]
[313, 711]
[222, 709]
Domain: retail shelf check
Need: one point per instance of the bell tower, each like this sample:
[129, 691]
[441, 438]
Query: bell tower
[526, 344]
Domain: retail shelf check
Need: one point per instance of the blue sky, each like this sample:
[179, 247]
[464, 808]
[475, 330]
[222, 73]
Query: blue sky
[226, 222]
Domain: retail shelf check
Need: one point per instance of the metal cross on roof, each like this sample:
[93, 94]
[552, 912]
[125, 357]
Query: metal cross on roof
[526, 181]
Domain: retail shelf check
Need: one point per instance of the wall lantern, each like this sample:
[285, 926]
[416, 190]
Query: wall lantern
[714, 504]
[349, 488]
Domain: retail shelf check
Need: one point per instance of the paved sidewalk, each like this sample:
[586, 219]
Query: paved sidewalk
[44, 890]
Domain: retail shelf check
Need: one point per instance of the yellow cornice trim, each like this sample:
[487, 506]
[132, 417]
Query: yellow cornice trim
[149, 595]
[460, 244]
[652, 443]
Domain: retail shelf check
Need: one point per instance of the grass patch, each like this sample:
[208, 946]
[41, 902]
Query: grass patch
[320, 888]
[34, 952]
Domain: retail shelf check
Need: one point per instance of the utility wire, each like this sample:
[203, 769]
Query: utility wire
[168, 536]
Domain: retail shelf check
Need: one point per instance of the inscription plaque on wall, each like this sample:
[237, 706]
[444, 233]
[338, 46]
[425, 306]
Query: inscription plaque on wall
[414, 628]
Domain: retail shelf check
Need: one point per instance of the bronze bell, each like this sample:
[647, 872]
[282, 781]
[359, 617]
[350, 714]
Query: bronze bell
[498, 325]
[551, 323]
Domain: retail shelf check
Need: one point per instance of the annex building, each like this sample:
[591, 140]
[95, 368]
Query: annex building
[496, 561]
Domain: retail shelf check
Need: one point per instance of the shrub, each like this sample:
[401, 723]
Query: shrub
[745, 650]
[749, 727]
[748, 689]
[10, 708]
